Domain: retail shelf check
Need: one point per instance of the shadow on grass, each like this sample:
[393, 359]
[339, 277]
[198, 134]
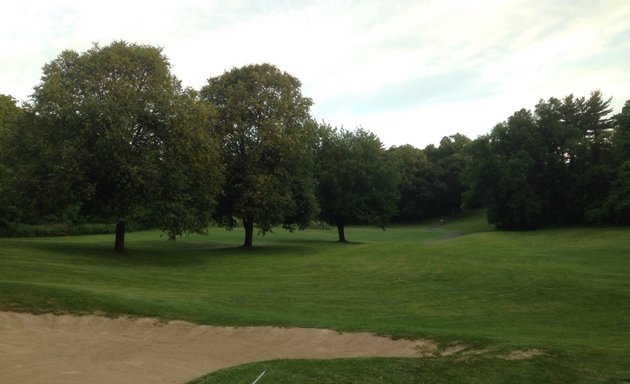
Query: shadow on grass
[171, 253]
[155, 254]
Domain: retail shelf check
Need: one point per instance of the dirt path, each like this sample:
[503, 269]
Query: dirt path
[95, 349]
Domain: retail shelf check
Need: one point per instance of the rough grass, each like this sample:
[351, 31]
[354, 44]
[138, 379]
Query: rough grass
[564, 291]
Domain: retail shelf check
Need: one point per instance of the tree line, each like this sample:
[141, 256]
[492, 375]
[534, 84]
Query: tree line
[566, 162]
[111, 135]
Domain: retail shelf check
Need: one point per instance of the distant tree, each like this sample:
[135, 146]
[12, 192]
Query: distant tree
[551, 167]
[621, 136]
[9, 112]
[419, 183]
[479, 176]
[450, 159]
[10, 116]
[557, 141]
[267, 137]
[615, 208]
[514, 170]
[594, 121]
[115, 119]
[591, 165]
[357, 183]
[515, 198]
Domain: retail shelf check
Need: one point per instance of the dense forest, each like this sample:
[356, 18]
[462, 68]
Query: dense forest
[111, 136]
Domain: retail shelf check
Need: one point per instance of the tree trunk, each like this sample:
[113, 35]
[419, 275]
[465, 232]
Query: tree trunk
[119, 245]
[341, 229]
[248, 224]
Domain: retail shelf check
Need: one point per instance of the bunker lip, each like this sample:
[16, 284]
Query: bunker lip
[49, 348]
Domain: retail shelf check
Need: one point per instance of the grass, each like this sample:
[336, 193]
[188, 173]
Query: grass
[565, 291]
[398, 371]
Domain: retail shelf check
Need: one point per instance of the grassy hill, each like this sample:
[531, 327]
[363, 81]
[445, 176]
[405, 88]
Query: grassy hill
[565, 291]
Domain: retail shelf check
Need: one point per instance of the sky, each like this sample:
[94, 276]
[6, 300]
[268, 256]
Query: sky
[411, 72]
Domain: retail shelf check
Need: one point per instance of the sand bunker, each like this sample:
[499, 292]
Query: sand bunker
[95, 349]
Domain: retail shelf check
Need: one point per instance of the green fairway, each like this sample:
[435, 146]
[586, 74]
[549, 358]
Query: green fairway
[398, 371]
[565, 291]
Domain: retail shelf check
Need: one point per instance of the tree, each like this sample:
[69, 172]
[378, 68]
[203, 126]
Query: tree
[511, 172]
[419, 183]
[190, 174]
[515, 200]
[479, 176]
[116, 120]
[450, 159]
[621, 136]
[266, 137]
[551, 167]
[591, 166]
[357, 184]
[616, 207]
[10, 115]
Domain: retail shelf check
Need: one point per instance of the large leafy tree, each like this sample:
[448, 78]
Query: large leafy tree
[267, 137]
[126, 138]
[190, 172]
[357, 183]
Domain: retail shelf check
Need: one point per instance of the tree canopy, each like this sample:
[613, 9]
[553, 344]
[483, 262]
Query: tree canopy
[554, 166]
[266, 135]
[357, 183]
[10, 118]
[123, 132]
[110, 135]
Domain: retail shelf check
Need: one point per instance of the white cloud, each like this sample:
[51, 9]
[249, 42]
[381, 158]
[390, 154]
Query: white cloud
[411, 71]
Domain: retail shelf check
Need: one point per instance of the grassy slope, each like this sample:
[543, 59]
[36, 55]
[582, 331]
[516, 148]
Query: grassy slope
[565, 291]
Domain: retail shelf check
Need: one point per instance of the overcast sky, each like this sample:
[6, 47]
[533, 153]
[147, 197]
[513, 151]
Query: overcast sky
[409, 71]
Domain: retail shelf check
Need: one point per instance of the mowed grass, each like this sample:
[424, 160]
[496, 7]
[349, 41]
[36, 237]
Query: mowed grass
[565, 291]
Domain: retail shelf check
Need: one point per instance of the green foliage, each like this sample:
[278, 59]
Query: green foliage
[621, 136]
[266, 136]
[431, 179]
[357, 183]
[616, 207]
[555, 166]
[516, 202]
[190, 173]
[103, 109]
[11, 116]
[419, 183]
[110, 134]
[120, 137]
[450, 159]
